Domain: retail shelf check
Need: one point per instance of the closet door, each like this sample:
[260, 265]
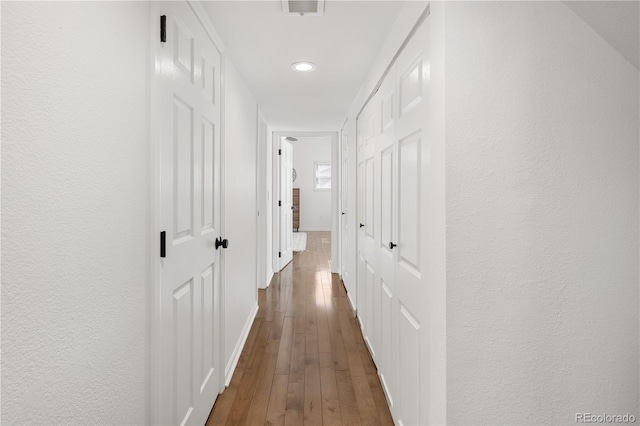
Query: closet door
[393, 161]
[386, 218]
[412, 148]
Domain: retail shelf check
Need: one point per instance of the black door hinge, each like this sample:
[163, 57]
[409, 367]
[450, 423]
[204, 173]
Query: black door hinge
[163, 244]
[279, 203]
[163, 28]
[279, 152]
[279, 254]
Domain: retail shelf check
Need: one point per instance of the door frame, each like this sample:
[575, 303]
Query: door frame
[154, 203]
[335, 203]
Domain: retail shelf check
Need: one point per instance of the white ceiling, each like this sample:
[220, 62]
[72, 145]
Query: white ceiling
[262, 43]
[617, 22]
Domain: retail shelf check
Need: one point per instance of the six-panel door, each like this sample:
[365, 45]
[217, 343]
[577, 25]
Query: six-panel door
[189, 136]
[392, 154]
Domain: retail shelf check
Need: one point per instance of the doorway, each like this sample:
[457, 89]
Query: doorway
[314, 178]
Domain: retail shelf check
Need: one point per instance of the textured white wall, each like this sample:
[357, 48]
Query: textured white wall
[240, 213]
[315, 206]
[542, 217]
[75, 175]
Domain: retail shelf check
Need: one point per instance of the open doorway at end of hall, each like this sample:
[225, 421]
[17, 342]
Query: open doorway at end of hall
[306, 181]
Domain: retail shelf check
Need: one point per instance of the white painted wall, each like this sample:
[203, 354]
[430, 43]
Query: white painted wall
[315, 205]
[75, 215]
[542, 217]
[240, 215]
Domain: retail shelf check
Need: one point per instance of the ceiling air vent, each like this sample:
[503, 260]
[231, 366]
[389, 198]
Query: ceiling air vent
[303, 7]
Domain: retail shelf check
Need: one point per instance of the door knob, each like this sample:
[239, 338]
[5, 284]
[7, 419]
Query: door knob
[362, 225]
[343, 213]
[292, 208]
[392, 245]
[220, 242]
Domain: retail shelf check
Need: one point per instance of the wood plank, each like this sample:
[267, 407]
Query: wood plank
[311, 354]
[294, 413]
[324, 338]
[366, 404]
[312, 396]
[278, 400]
[247, 386]
[276, 327]
[331, 414]
[220, 414]
[260, 402]
[283, 365]
[347, 396]
[296, 371]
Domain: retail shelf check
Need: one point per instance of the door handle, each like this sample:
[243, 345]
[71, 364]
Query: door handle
[220, 242]
[392, 245]
[343, 213]
[292, 208]
[362, 225]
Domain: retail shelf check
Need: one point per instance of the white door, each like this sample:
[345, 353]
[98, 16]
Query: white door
[386, 218]
[286, 202]
[344, 202]
[368, 231]
[392, 185]
[188, 95]
[412, 148]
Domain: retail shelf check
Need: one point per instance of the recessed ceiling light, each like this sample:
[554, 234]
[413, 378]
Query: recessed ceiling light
[303, 66]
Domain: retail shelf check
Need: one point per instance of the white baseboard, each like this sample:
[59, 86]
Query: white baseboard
[270, 277]
[352, 304]
[235, 356]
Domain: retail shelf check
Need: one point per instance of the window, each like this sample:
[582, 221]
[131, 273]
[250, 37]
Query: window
[322, 175]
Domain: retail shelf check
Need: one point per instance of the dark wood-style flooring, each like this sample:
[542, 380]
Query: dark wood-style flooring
[304, 362]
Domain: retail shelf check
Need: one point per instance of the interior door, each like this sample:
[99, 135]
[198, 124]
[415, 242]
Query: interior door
[344, 196]
[188, 95]
[368, 231]
[386, 218]
[286, 202]
[412, 147]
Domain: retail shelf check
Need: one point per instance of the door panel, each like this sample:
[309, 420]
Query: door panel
[286, 198]
[183, 361]
[208, 175]
[369, 198]
[189, 150]
[409, 398]
[369, 312]
[409, 207]
[182, 169]
[386, 198]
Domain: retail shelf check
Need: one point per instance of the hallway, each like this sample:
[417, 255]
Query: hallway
[305, 361]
